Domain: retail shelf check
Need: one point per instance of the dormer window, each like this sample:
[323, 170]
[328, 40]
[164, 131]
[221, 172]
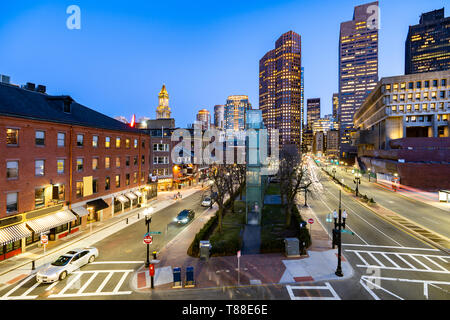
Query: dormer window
[67, 106]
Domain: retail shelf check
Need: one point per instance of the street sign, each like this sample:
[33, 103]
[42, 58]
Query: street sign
[239, 254]
[148, 239]
[44, 239]
[154, 232]
[347, 231]
[310, 221]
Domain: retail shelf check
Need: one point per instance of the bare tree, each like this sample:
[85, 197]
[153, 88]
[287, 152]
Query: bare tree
[241, 177]
[219, 177]
[292, 175]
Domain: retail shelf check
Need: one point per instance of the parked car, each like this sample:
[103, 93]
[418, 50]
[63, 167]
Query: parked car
[66, 264]
[207, 202]
[185, 216]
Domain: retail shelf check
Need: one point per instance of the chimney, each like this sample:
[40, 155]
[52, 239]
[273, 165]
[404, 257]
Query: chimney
[30, 86]
[4, 79]
[41, 88]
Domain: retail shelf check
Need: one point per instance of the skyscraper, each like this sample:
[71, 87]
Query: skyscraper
[312, 111]
[204, 117]
[335, 102]
[163, 109]
[427, 46]
[280, 93]
[219, 116]
[358, 67]
[235, 112]
[302, 103]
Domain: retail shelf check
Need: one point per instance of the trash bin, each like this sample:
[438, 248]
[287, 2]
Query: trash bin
[292, 247]
[205, 248]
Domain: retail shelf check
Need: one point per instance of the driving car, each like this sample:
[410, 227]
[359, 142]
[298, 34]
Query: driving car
[207, 202]
[185, 216]
[66, 264]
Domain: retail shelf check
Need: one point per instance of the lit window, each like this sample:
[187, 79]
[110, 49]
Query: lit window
[95, 141]
[118, 162]
[127, 143]
[135, 143]
[107, 142]
[107, 161]
[80, 139]
[60, 165]
[40, 138]
[94, 163]
[79, 164]
[61, 139]
[117, 142]
[12, 137]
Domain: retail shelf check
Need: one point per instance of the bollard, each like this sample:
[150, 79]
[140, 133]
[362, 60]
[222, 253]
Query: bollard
[138, 215]
[127, 220]
[32, 265]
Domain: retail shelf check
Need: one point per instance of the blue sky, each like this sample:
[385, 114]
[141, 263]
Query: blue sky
[202, 50]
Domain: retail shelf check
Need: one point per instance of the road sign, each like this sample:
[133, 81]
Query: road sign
[310, 221]
[154, 232]
[347, 231]
[44, 239]
[239, 254]
[148, 239]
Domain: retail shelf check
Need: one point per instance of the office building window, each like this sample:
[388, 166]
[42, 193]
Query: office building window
[142, 176]
[80, 140]
[443, 82]
[442, 95]
[426, 84]
[127, 161]
[60, 166]
[416, 107]
[143, 144]
[39, 197]
[12, 137]
[107, 183]
[94, 163]
[39, 167]
[435, 83]
[117, 181]
[410, 85]
[61, 193]
[11, 202]
[434, 95]
[107, 142]
[40, 138]
[79, 164]
[143, 159]
[107, 162]
[79, 189]
[117, 142]
[12, 169]
[418, 84]
[95, 141]
[61, 137]
[127, 179]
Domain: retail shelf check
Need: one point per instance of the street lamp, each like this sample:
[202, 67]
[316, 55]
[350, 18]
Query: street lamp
[357, 180]
[337, 232]
[369, 174]
[334, 172]
[148, 220]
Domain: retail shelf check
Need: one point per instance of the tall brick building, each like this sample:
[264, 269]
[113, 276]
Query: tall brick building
[64, 166]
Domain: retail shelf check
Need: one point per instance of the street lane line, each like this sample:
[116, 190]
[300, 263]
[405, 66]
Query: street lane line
[402, 269]
[420, 262]
[50, 287]
[366, 220]
[360, 257]
[94, 274]
[115, 262]
[362, 282]
[77, 276]
[398, 255]
[89, 294]
[335, 295]
[17, 287]
[376, 260]
[392, 247]
[30, 289]
[380, 287]
[435, 263]
[390, 260]
[116, 289]
[99, 289]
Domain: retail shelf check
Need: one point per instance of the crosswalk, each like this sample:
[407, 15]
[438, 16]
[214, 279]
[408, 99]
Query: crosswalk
[316, 292]
[402, 261]
[79, 284]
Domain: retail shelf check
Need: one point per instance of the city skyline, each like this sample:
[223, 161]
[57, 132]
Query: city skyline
[100, 72]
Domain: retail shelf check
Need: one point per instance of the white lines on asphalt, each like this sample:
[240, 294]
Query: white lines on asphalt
[390, 260]
[89, 294]
[350, 209]
[94, 274]
[116, 262]
[77, 276]
[392, 247]
[361, 258]
[116, 289]
[30, 289]
[363, 284]
[50, 287]
[421, 263]
[6, 296]
[376, 260]
[373, 283]
[100, 288]
[327, 286]
[435, 263]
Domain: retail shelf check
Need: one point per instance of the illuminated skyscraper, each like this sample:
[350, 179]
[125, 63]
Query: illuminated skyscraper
[427, 46]
[219, 116]
[163, 109]
[235, 112]
[312, 111]
[302, 103]
[280, 93]
[204, 117]
[358, 67]
[335, 102]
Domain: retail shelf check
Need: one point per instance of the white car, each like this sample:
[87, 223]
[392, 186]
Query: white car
[66, 264]
[206, 202]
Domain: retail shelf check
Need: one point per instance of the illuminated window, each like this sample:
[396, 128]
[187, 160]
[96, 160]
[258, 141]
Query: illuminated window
[408, 108]
[117, 142]
[107, 162]
[118, 162]
[117, 181]
[135, 143]
[107, 183]
[79, 189]
[395, 86]
[60, 165]
[416, 107]
[403, 86]
[79, 164]
[94, 163]
[107, 142]
[12, 137]
[95, 141]
[127, 143]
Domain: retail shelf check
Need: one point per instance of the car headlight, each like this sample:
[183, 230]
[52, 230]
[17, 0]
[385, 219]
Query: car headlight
[175, 219]
[185, 220]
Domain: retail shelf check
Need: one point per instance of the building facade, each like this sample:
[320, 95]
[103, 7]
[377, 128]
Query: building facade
[163, 110]
[280, 93]
[235, 112]
[219, 116]
[404, 124]
[66, 166]
[332, 148]
[427, 46]
[358, 68]
[335, 104]
[312, 111]
[204, 117]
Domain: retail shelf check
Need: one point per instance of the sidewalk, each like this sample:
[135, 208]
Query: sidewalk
[19, 267]
[319, 264]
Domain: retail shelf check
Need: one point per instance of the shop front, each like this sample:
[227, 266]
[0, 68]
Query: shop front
[121, 203]
[133, 199]
[165, 184]
[11, 240]
[95, 208]
[151, 191]
[82, 217]
[57, 224]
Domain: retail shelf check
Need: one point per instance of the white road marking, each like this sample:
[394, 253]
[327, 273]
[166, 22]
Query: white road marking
[380, 287]
[435, 263]
[17, 287]
[361, 258]
[116, 289]
[30, 289]
[94, 274]
[376, 260]
[363, 284]
[326, 287]
[392, 247]
[50, 287]
[89, 294]
[390, 260]
[115, 262]
[77, 276]
[420, 262]
[99, 289]
[404, 260]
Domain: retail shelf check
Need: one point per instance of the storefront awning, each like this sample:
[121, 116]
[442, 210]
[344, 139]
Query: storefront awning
[50, 221]
[80, 211]
[138, 193]
[14, 233]
[122, 199]
[97, 205]
[130, 195]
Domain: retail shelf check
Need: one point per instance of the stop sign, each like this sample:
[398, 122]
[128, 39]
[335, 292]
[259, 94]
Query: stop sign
[44, 239]
[148, 239]
[310, 221]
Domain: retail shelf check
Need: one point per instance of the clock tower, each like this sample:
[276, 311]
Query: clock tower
[163, 110]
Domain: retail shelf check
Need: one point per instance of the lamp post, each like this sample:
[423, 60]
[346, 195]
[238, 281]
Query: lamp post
[357, 180]
[337, 230]
[394, 185]
[369, 174]
[148, 220]
[334, 172]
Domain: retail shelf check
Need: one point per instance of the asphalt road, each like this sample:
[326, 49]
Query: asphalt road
[430, 217]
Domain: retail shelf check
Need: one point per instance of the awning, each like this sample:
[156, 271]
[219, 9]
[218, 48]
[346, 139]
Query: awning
[80, 211]
[51, 221]
[130, 195]
[138, 193]
[122, 199]
[98, 204]
[14, 233]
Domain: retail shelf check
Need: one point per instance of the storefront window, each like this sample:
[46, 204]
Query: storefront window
[61, 228]
[117, 206]
[39, 197]
[75, 223]
[32, 239]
